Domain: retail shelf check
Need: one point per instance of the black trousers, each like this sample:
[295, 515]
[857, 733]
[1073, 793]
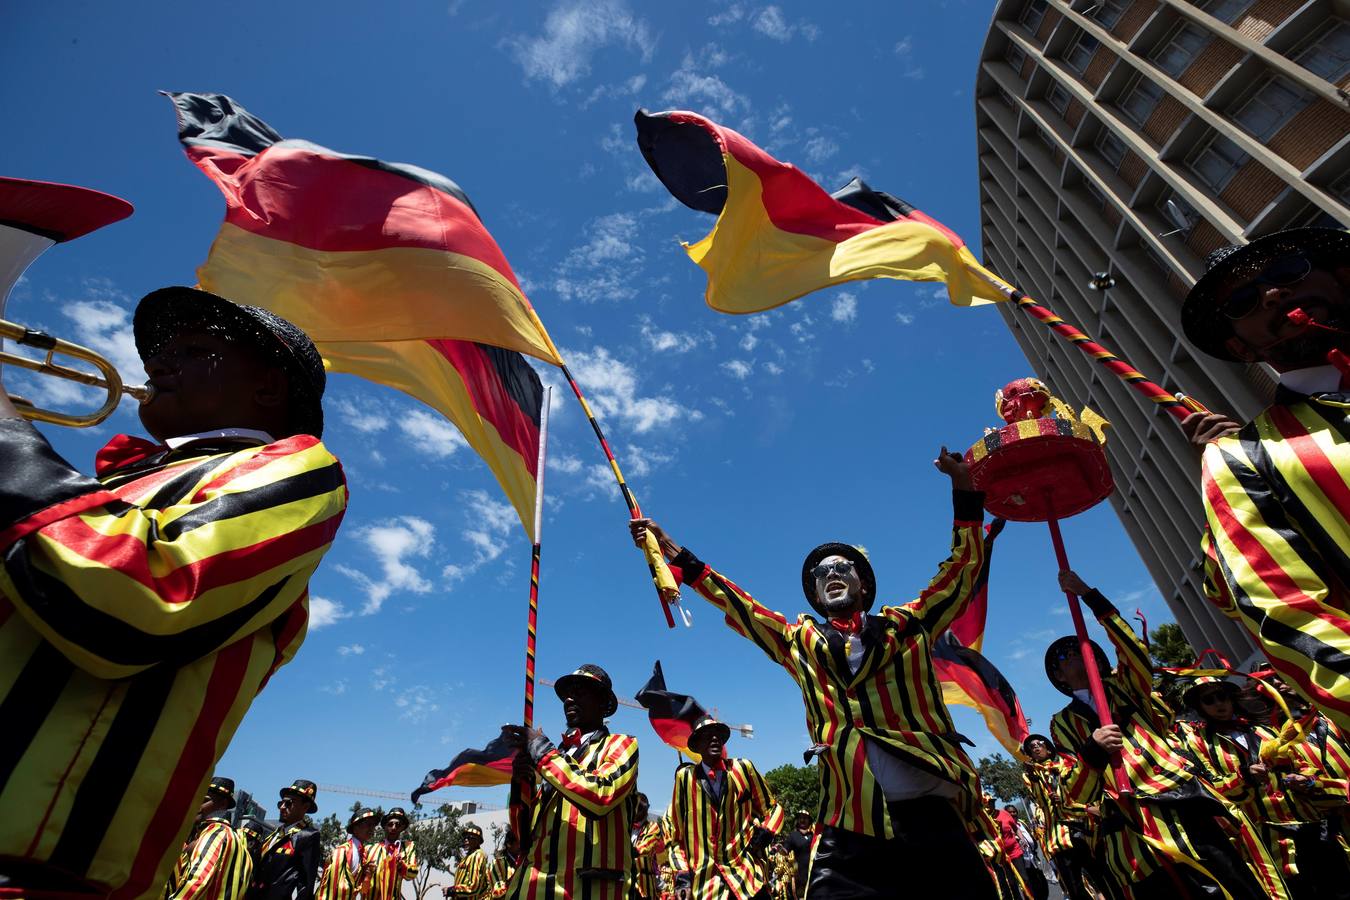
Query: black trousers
[931, 855]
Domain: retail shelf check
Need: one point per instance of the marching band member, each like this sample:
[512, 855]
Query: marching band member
[649, 845]
[289, 860]
[896, 788]
[581, 814]
[395, 858]
[722, 817]
[160, 596]
[215, 864]
[351, 867]
[473, 875]
[504, 863]
[1066, 841]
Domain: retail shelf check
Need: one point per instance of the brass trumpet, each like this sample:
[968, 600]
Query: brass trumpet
[107, 377]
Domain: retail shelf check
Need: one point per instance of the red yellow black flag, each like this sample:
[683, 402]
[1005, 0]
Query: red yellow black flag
[779, 235]
[472, 768]
[672, 715]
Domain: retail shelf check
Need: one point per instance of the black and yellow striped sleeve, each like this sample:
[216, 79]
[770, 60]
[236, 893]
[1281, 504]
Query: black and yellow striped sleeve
[953, 587]
[769, 630]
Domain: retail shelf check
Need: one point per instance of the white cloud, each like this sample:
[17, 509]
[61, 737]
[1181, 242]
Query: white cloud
[666, 341]
[771, 23]
[738, 368]
[351, 650]
[904, 318]
[729, 16]
[431, 433]
[365, 419]
[844, 308]
[491, 522]
[574, 30]
[637, 462]
[324, 612]
[612, 387]
[416, 703]
[382, 678]
[603, 268]
[101, 324]
[819, 148]
[773, 368]
[394, 546]
[336, 688]
[564, 463]
[694, 87]
[904, 51]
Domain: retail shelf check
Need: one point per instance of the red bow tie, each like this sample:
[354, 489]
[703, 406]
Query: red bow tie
[124, 450]
[852, 625]
[571, 739]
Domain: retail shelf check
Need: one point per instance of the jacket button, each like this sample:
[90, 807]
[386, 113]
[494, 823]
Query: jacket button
[850, 693]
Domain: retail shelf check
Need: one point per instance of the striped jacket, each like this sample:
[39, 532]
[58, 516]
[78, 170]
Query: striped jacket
[395, 863]
[1042, 781]
[139, 615]
[215, 865]
[473, 877]
[502, 870]
[580, 835]
[1277, 541]
[710, 837]
[649, 846]
[348, 874]
[894, 699]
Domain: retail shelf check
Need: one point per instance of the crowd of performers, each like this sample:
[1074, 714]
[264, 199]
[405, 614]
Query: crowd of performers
[142, 610]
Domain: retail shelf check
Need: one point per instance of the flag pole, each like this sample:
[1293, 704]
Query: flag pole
[532, 622]
[1180, 406]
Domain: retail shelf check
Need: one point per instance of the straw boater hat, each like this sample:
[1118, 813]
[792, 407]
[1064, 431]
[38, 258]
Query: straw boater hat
[703, 731]
[1055, 652]
[222, 788]
[849, 552]
[304, 790]
[1205, 325]
[163, 314]
[1204, 681]
[590, 674]
[360, 815]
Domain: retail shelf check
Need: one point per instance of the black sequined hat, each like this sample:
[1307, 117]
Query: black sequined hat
[1205, 324]
[165, 313]
[305, 790]
[361, 815]
[852, 554]
[703, 731]
[593, 674]
[222, 788]
[1056, 652]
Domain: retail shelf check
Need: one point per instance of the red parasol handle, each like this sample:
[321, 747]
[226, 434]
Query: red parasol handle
[1089, 658]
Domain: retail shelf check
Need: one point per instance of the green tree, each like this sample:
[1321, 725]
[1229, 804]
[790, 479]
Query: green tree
[438, 839]
[1168, 646]
[1002, 777]
[795, 787]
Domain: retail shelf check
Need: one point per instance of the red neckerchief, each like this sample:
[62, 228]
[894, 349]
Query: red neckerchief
[124, 450]
[852, 625]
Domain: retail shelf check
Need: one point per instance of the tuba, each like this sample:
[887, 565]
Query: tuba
[34, 215]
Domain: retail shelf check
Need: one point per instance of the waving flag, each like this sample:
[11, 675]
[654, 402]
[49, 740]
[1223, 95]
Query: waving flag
[779, 235]
[388, 269]
[967, 677]
[672, 715]
[472, 768]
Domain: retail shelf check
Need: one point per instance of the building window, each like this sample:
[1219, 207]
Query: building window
[1108, 12]
[1033, 14]
[1181, 46]
[1057, 97]
[1224, 10]
[1097, 196]
[1269, 107]
[1015, 56]
[1141, 99]
[1328, 52]
[1110, 147]
[1179, 215]
[1217, 162]
[1006, 98]
[1080, 54]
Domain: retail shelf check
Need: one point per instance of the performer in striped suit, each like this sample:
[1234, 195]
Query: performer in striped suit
[1066, 825]
[649, 848]
[896, 788]
[1277, 490]
[215, 864]
[473, 875]
[722, 818]
[142, 611]
[1164, 840]
[351, 866]
[581, 808]
[504, 863]
[395, 857]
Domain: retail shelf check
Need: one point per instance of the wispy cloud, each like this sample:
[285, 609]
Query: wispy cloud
[693, 85]
[431, 433]
[844, 308]
[491, 522]
[738, 368]
[662, 341]
[351, 650]
[395, 545]
[613, 389]
[364, 418]
[771, 23]
[904, 52]
[604, 267]
[574, 31]
[324, 612]
[818, 149]
[416, 703]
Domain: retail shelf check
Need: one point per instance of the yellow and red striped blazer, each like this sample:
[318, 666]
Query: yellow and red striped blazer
[395, 863]
[215, 865]
[893, 699]
[139, 616]
[650, 841]
[502, 870]
[1277, 541]
[349, 873]
[473, 877]
[710, 839]
[580, 833]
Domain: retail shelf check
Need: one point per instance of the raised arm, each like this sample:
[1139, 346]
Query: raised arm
[1134, 667]
[118, 588]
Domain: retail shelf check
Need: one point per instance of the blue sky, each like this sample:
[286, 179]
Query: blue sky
[751, 438]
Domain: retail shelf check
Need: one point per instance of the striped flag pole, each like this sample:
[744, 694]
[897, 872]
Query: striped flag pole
[532, 626]
[1179, 406]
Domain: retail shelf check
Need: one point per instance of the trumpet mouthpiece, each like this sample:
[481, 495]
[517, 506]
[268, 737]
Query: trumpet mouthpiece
[143, 393]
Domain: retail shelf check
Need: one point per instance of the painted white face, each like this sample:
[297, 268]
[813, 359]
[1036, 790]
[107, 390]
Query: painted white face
[838, 587]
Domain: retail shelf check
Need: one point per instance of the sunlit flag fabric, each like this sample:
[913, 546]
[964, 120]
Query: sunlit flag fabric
[388, 269]
[779, 235]
[672, 715]
[472, 768]
[967, 677]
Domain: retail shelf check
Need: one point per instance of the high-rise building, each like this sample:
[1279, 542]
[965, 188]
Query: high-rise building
[1131, 138]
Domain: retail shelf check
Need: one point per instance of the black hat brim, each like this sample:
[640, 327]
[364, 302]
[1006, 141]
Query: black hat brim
[848, 552]
[292, 792]
[699, 736]
[564, 683]
[1208, 328]
[1052, 662]
[1188, 694]
[228, 796]
[162, 314]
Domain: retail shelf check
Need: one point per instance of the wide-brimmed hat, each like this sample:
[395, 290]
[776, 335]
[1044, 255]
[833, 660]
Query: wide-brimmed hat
[1204, 323]
[589, 673]
[704, 729]
[1026, 742]
[1204, 681]
[304, 789]
[471, 829]
[163, 314]
[395, 813]
[1055, 652]
[849, 552]
[222, 788]
[360, 815]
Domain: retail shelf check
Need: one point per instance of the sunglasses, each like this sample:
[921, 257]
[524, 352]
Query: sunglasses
[1211, 697]
[841, 567]
[1282, 272]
